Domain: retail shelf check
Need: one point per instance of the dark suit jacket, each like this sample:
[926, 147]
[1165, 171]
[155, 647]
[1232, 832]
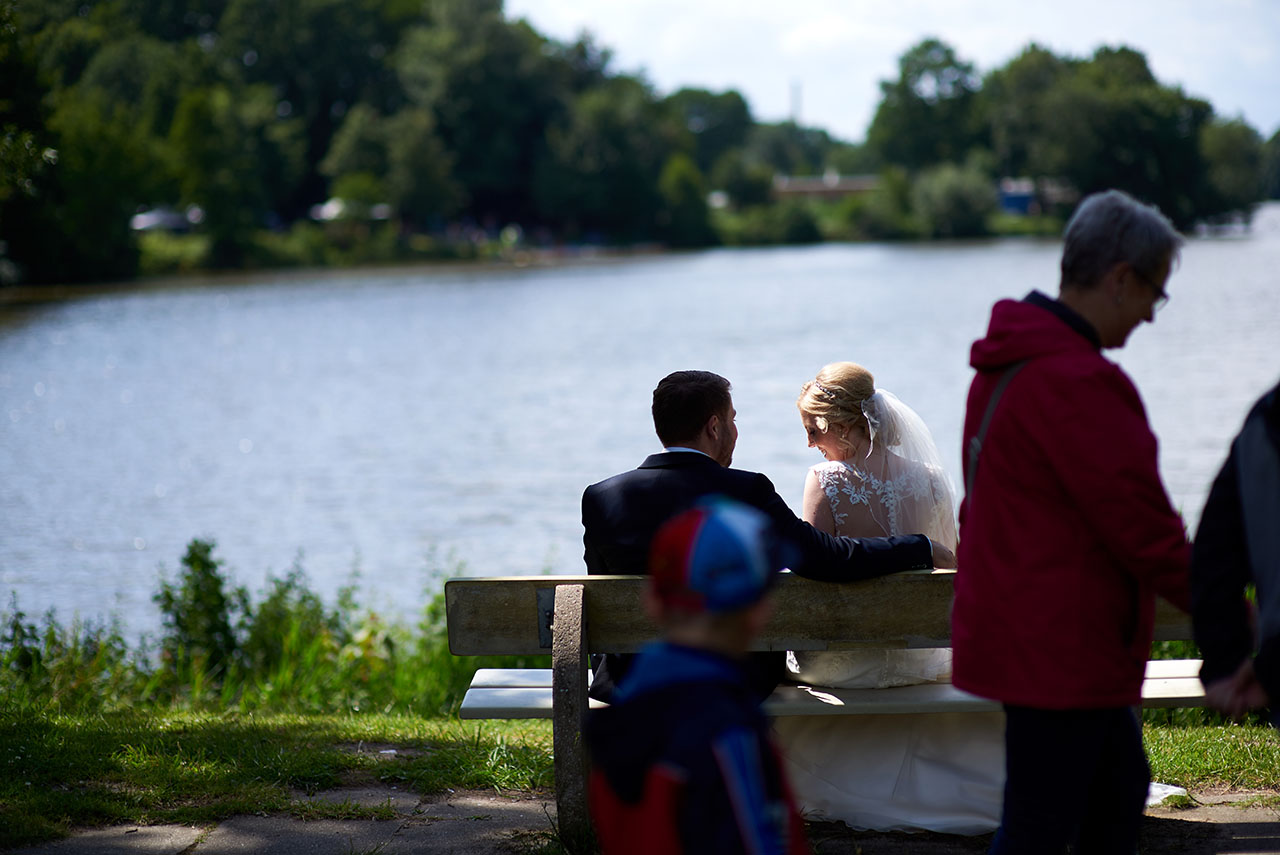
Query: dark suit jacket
[620, 515]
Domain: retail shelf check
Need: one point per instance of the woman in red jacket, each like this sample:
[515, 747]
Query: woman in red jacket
[1067, 535]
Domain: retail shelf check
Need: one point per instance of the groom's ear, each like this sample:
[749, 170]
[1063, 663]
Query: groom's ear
[713, 427]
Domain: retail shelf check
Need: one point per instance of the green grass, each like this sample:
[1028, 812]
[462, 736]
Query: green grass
[247, 706]
[1236, 756]
[240, 705]
[60, 771]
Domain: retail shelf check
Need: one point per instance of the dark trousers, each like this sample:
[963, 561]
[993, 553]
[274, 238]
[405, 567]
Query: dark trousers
[1075, 778]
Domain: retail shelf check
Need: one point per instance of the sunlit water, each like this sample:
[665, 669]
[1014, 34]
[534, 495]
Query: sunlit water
[398, 423]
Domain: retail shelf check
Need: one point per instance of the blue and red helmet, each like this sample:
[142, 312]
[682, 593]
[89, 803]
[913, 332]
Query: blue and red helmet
[716, 557]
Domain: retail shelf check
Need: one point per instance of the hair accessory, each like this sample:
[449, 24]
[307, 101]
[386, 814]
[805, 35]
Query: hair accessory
[872, 408]
[717, 557]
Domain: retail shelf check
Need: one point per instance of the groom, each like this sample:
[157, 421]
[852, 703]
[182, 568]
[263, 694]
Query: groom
[693, 415]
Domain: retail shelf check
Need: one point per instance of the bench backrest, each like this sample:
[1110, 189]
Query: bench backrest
[512, 614]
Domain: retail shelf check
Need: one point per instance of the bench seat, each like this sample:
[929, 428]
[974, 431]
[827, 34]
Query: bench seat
[573, 616]
[522, 693]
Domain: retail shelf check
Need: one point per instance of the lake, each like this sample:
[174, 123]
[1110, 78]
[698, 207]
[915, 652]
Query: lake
[394, 426]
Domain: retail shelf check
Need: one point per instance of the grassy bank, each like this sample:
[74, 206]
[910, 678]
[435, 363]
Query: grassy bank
[146, 767]
[246, 704]
[141, 767]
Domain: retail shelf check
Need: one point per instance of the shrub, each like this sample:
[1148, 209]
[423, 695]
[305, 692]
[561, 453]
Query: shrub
[288, 653]
[198, 614]
[954, 202]
[883, 213]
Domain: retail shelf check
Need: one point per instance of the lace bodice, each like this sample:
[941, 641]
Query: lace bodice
[916, 501]
[867, 501]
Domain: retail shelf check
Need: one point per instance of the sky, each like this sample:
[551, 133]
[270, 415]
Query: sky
[821, 61]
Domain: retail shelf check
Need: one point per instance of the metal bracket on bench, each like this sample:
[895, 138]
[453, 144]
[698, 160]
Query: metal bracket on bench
[546, 615]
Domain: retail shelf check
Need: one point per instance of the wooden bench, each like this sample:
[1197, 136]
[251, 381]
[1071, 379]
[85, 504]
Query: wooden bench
[573, 616]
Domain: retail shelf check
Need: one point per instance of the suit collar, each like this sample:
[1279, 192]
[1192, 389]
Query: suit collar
[672, 459]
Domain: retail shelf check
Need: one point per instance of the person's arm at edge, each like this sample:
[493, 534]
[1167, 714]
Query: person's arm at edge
[1219, 574]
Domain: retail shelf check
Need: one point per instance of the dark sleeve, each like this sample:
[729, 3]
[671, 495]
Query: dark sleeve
[1219, 574]
[1267, 666]
[841, 559]
[590, 554]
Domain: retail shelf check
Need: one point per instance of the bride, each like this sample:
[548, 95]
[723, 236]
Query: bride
[937, 771]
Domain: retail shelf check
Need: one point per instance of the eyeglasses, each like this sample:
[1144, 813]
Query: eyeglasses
[1162, 297]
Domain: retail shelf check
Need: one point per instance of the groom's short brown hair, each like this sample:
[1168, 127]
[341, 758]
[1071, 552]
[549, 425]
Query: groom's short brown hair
[684, 401]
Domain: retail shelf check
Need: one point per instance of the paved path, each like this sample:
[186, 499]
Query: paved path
[483, 823]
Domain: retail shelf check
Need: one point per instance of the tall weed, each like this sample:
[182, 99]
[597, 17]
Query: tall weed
[222, 650]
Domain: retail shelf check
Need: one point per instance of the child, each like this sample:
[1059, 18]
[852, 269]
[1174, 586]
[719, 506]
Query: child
[683, 761]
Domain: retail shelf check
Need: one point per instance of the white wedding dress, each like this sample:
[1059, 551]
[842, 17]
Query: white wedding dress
[930, 771]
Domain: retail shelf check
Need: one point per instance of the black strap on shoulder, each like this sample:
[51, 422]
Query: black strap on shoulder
[975, 443]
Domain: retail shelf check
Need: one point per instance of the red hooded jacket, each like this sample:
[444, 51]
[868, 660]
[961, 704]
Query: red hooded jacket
[1068, 533]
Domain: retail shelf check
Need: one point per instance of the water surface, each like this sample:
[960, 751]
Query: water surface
[397, 423]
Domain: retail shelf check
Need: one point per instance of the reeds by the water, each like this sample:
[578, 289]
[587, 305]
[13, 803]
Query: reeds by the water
[221, 650]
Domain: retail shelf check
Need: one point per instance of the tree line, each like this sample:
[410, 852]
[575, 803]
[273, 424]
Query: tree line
[441, 120]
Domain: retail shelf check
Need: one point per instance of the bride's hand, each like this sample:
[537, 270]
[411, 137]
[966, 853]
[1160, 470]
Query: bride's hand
[943, 558]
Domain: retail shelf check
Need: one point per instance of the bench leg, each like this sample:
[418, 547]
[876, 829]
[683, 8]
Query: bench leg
[569, 706]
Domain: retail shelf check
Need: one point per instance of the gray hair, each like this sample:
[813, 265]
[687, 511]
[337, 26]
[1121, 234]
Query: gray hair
[1113, 227]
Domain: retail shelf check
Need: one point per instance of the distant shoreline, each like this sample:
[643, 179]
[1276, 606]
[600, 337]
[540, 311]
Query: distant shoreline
[19, 296]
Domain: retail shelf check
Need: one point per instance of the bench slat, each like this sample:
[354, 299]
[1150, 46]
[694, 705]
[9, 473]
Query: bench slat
[503, 678]
[510, 702]
[490, 678]
[1165, 668]
[526, 693]
[499, 615]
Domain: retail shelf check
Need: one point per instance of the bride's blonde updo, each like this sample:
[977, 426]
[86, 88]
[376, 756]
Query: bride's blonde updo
[838, 395]
[835, 396]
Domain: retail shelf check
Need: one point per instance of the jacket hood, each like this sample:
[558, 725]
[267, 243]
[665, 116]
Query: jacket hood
[1020, 330]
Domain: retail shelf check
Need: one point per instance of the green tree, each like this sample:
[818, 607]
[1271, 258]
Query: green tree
[603, 162]
[581, 64]
[317, 58]
[718, 122]
[23, 137]
[419, 170]
[885, 212]
[1012, 103]
[73, 224]
[227, 148]
[491, 87]
[1271, 167]
[954, 202]
[788, 148]
[1233, 154]
[403, 151]
[796, 224]
[745, 183]
[929, 114]
[1103, 131]
[852, 159]
[685, 219]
